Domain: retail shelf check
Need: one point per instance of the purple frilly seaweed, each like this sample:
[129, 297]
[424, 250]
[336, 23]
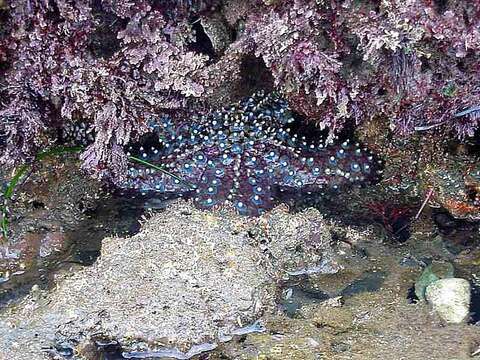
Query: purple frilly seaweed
[115, 64]
[412, 62]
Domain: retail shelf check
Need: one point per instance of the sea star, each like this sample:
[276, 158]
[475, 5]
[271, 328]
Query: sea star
[244, 154]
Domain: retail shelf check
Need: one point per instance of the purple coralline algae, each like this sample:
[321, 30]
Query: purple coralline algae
[245, 154]
[114, 64]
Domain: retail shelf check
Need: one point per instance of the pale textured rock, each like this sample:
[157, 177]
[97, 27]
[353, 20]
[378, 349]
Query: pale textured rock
[186, 279]
[450, 298]
[299, 244]
[189, 279]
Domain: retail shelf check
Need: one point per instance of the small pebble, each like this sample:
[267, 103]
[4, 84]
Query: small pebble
[450, 298]
[333, 302]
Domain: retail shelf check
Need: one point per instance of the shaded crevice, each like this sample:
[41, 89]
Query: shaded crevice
[203, 44]
[255, 76]
[104, 42]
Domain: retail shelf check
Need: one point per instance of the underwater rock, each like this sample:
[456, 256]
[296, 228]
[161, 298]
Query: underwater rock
[247, 155]
[370, 281]
[46, 207]
[450, 298]
[455, 186]
[299, 244]
[189, 280]
[435, 271]
[31, 251]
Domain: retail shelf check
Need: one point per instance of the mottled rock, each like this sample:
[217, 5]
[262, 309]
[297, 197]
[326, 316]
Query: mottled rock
[216, 29]
[52, 242]
[454, 185]
[300, 244]
[45, 207]
[450, 298]
[433, 272]
[188, 281]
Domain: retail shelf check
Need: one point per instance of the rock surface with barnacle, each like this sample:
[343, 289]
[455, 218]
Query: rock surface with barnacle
[245, 154]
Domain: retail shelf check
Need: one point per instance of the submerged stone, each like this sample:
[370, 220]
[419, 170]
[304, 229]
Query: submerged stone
[187, 282]
[433, 272]
[450, 298]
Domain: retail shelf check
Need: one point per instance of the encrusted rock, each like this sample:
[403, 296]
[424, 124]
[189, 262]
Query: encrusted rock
[454, 186]
[217, 31]
[300, 244]
[188, 281]
[450, 298]
[47, 207]
[433, 272]
[188, 278]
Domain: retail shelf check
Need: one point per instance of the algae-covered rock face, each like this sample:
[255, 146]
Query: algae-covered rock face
[189, 278]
